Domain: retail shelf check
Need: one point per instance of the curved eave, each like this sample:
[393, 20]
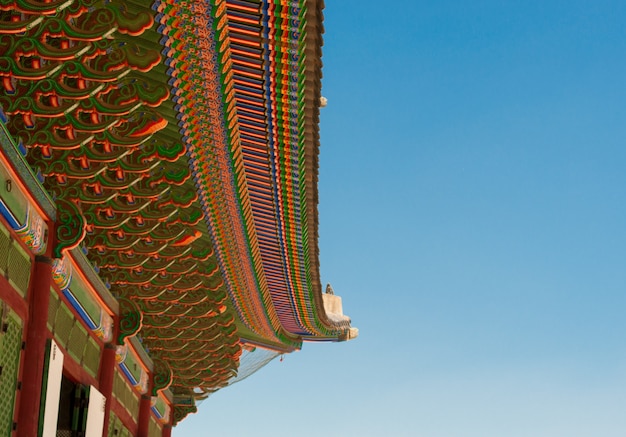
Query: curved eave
[282, 219]
[315, 30]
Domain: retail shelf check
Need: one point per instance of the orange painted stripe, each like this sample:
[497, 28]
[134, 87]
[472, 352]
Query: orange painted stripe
[238, 19]
[246, 42]
[242, 8]
[245, 32]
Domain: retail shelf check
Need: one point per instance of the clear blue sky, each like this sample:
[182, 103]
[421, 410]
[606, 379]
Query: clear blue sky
[473, 218]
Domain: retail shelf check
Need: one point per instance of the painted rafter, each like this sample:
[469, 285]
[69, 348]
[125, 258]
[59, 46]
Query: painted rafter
[101, 136]
[266, 46]
[180, 141]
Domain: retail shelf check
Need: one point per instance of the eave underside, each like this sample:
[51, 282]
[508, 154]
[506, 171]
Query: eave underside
[183, 137]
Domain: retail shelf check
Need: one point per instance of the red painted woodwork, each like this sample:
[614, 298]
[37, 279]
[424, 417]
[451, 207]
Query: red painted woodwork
[34, 352]
[127, 420]
[105, 379]
[11, 298]
[144, 411]
[144, 415]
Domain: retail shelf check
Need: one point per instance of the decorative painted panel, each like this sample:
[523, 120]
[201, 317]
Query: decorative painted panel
[10, 353]
[72, 336]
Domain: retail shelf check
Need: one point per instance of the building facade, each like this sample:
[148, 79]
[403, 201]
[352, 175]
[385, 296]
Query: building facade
[158, 206]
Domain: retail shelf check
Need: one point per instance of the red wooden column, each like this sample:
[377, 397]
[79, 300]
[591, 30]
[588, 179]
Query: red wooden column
[145, 403]
[107, 373]
[35, 348]
[167, 429]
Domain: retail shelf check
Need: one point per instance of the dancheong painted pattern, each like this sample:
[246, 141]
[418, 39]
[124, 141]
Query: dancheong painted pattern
[179, 143]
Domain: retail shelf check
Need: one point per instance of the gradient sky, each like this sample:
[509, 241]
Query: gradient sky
[472, 217]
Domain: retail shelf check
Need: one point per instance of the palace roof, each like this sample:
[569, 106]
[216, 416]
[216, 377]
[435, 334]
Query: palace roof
[179, 142]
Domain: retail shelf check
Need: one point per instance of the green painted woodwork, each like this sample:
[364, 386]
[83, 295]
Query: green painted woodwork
[53, 307]
[116, 427]
[72, 335]
[125, 395]
[70, 227]
[133, 366]
[17, 268]
[181, 411]
[5, 247]
[91, 356]
[162, 377]
[154, 429]
[77, 341]
[160, 405]
[10, 353]
[14, 151]
[130, 319]
[12, 196]
[63, 323]
[81, 293]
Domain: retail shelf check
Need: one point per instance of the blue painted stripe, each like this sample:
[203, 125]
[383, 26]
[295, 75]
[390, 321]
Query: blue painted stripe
[129, 375]
[79, 309]
[156, 412]
[8, 216]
